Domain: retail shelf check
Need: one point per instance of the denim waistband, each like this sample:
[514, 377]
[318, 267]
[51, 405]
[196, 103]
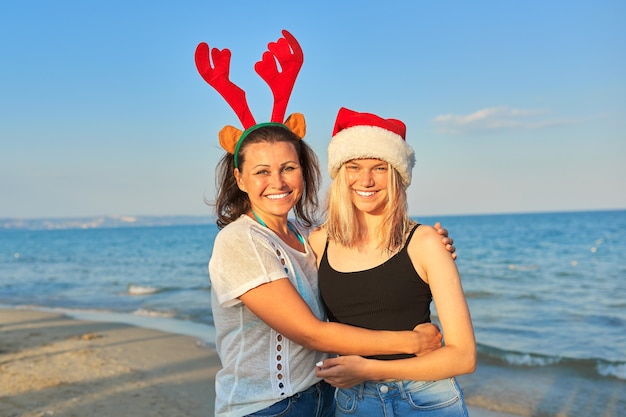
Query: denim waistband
[321, 384]
[400, 388]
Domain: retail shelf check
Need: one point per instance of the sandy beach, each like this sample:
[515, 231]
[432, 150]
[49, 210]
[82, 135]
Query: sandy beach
[54, 365]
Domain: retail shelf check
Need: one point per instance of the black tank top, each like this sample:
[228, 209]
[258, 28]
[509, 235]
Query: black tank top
[390, 296]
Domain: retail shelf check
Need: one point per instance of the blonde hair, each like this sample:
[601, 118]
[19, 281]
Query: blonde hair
[342, 224]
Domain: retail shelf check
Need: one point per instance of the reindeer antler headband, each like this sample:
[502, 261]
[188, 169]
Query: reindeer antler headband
[289, 55]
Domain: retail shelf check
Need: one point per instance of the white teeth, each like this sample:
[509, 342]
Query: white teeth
[365, 193]
[277, 196]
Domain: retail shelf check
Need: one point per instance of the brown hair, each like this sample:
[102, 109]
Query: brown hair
[231, 202]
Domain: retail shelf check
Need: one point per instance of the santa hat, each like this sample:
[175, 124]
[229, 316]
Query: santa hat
[365, 135]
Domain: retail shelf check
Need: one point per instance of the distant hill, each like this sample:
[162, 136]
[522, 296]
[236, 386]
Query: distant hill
[103, 222]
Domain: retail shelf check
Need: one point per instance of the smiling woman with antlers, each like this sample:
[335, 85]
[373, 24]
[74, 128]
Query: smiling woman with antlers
[270, 324]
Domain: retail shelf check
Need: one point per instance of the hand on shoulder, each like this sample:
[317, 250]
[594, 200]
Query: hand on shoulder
[427, 251]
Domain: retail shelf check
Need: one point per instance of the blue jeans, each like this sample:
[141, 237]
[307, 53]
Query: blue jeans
[316, 401]
[442, 398]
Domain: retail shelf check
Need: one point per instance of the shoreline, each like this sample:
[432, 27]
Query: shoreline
[52, 363]
[166, 324]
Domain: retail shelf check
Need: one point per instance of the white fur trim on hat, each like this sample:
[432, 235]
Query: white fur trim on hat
[362, 142]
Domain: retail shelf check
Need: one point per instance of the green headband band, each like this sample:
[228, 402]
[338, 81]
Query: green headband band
[247, 132]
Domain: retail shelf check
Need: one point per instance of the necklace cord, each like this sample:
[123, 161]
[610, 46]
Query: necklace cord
[289, 225]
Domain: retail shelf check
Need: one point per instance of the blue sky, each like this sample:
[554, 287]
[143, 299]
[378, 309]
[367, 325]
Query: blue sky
[510, 106]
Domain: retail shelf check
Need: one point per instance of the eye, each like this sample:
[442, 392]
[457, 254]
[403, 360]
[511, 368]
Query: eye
[290, 168]
[262, 172]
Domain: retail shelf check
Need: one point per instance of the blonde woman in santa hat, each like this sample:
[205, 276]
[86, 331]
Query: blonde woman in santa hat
[378, 269]
[270, 323]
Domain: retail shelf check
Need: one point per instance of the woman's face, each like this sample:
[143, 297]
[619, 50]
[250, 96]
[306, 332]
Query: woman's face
[367, 181]
[272, 177]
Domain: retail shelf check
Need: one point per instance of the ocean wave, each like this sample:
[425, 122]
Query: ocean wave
[617, 370]
[516, 358]
[144, 312]
[527, 359]
[142, 290]
[598, 367]
[136, 289]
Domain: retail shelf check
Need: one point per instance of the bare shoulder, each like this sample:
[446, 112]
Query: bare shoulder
[317, 239]
[426, 238]
[426, 232]
[429, 255]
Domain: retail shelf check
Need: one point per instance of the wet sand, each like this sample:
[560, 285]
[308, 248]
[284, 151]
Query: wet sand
[51, 364]
[54, 365]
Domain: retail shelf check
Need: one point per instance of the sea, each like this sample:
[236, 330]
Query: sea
[546, 291]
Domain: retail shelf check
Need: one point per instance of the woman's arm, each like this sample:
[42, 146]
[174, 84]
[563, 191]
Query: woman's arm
[280, 306]
[456, 357]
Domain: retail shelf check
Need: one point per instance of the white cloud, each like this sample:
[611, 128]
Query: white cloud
[497, 118]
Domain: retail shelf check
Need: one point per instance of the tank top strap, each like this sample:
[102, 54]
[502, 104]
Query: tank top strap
[406, 243]
[408, 239]
[324, 259]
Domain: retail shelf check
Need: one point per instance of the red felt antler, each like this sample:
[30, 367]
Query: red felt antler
[217, 77]
[289, 55]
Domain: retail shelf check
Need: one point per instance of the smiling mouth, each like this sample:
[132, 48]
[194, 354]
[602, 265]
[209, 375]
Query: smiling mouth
[365, 193]
[277, 196]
